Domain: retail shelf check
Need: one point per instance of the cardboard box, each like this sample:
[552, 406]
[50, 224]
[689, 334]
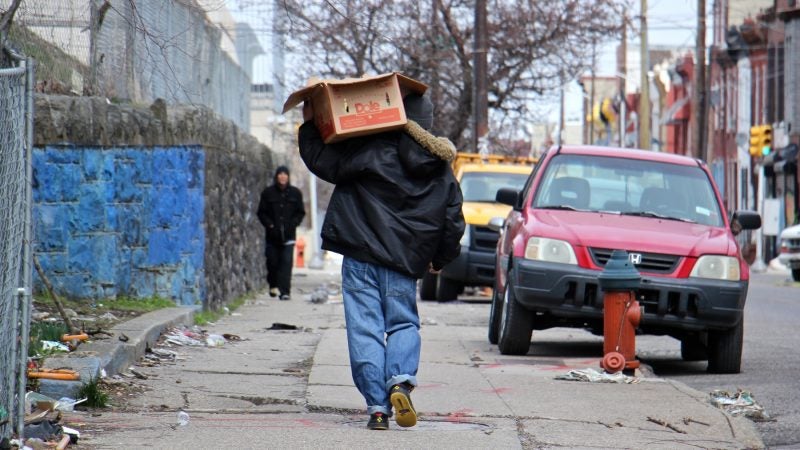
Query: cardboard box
[356, 106]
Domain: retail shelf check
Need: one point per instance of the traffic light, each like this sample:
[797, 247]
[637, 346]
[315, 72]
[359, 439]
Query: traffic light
[760, 140]
[766, 140]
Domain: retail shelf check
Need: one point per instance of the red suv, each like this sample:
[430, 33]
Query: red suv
[581, 203]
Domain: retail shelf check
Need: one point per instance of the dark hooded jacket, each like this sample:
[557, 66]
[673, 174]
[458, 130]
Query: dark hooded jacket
[280, 210]
[396, 202]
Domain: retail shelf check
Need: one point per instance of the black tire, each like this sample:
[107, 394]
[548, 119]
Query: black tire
[693, 349]
[495, 314]
[796, 274]
[725, 350]
[427, 286]
[447, 289]
[516, 326]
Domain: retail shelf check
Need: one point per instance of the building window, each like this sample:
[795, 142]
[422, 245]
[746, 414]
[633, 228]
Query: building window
[779, 85]
[755, 109]
[772, 77]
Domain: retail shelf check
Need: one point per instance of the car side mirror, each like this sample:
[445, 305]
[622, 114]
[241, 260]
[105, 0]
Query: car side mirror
[508, 196]
[496, 224]
[745, 220]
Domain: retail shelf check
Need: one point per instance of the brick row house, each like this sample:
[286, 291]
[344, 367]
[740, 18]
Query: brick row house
[753, 79]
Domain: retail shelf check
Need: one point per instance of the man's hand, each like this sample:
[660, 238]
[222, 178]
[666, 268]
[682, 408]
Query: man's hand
[308, 111]
[432, 270]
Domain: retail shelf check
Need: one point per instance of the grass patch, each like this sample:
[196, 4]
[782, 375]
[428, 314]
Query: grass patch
[124, 304]
[137, 304]
[206, 317]
[44, 331]
[238, 302]
[95, 397]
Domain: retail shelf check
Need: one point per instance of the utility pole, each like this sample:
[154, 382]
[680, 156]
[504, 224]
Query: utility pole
[591, 99]
[435, 89]
[644, 96]
[559, 136]
[699, 97]
[623, 71]
[480, 48]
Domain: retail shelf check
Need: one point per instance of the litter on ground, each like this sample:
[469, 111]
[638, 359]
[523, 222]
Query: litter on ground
[741, 403]
[595, 376]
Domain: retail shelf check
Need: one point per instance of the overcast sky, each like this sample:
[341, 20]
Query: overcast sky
[671, 22]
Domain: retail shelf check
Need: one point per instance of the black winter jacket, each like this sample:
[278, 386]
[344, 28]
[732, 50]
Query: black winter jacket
[281, 212]
[395, 204]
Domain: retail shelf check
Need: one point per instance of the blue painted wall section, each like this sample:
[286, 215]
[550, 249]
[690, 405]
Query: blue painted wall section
[123, 221]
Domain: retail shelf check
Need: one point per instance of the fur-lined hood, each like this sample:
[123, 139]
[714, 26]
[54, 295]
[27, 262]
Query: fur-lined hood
[422, 154]
[441, 147]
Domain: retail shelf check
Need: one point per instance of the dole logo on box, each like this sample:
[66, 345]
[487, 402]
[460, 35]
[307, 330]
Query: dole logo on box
[370, 107]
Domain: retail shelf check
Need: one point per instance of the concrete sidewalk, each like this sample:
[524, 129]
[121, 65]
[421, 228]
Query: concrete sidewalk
[278, 389]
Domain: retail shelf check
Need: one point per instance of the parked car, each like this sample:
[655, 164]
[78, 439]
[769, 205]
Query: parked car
[480, 176]
[790, 250]
[581, 203]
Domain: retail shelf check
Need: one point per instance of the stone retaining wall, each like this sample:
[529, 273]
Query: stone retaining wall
[146, 200]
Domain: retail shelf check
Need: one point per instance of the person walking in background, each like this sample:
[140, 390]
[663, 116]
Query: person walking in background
[280, 210]
[394, 214]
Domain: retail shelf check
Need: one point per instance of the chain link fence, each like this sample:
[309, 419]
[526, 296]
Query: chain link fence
[137, 51]
[16, 121]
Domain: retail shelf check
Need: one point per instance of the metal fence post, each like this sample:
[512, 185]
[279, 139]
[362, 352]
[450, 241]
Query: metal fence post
[13, 222]
[26, 290]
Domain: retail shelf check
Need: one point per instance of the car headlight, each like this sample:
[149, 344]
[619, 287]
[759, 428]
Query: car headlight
[465, 237]
[716, 267]
[550, 250]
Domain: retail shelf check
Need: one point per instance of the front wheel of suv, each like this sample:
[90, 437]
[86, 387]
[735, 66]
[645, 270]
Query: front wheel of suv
[725, 349]
[516, 325]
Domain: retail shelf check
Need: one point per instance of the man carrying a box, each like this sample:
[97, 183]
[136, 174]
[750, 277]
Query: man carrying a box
[395, 213]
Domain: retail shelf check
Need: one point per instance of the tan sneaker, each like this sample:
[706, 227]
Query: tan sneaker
[400, 396]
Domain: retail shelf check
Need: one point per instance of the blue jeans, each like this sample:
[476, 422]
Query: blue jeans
[380, 310]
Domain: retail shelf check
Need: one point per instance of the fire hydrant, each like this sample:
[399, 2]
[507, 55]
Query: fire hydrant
[621, 313]
[300, 246]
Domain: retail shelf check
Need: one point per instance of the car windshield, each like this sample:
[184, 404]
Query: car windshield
[629, 187]
[483, 186]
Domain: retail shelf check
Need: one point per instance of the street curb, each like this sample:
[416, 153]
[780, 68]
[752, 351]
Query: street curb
[113, 355]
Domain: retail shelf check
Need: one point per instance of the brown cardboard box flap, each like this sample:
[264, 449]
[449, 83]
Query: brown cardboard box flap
[315, 83]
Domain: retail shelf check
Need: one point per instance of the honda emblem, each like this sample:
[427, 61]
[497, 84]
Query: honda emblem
[635, 258]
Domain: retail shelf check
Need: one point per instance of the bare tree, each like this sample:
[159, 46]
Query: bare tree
[6, 18]
[535, 46]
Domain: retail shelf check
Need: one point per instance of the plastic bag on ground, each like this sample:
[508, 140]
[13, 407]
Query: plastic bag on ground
[595, 376]
[68, 404]
[183, 418]
[740, 403]
[215, 340]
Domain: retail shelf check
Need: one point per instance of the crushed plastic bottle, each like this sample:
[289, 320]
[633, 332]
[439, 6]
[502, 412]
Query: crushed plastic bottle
[215, 340]
[183, 418]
